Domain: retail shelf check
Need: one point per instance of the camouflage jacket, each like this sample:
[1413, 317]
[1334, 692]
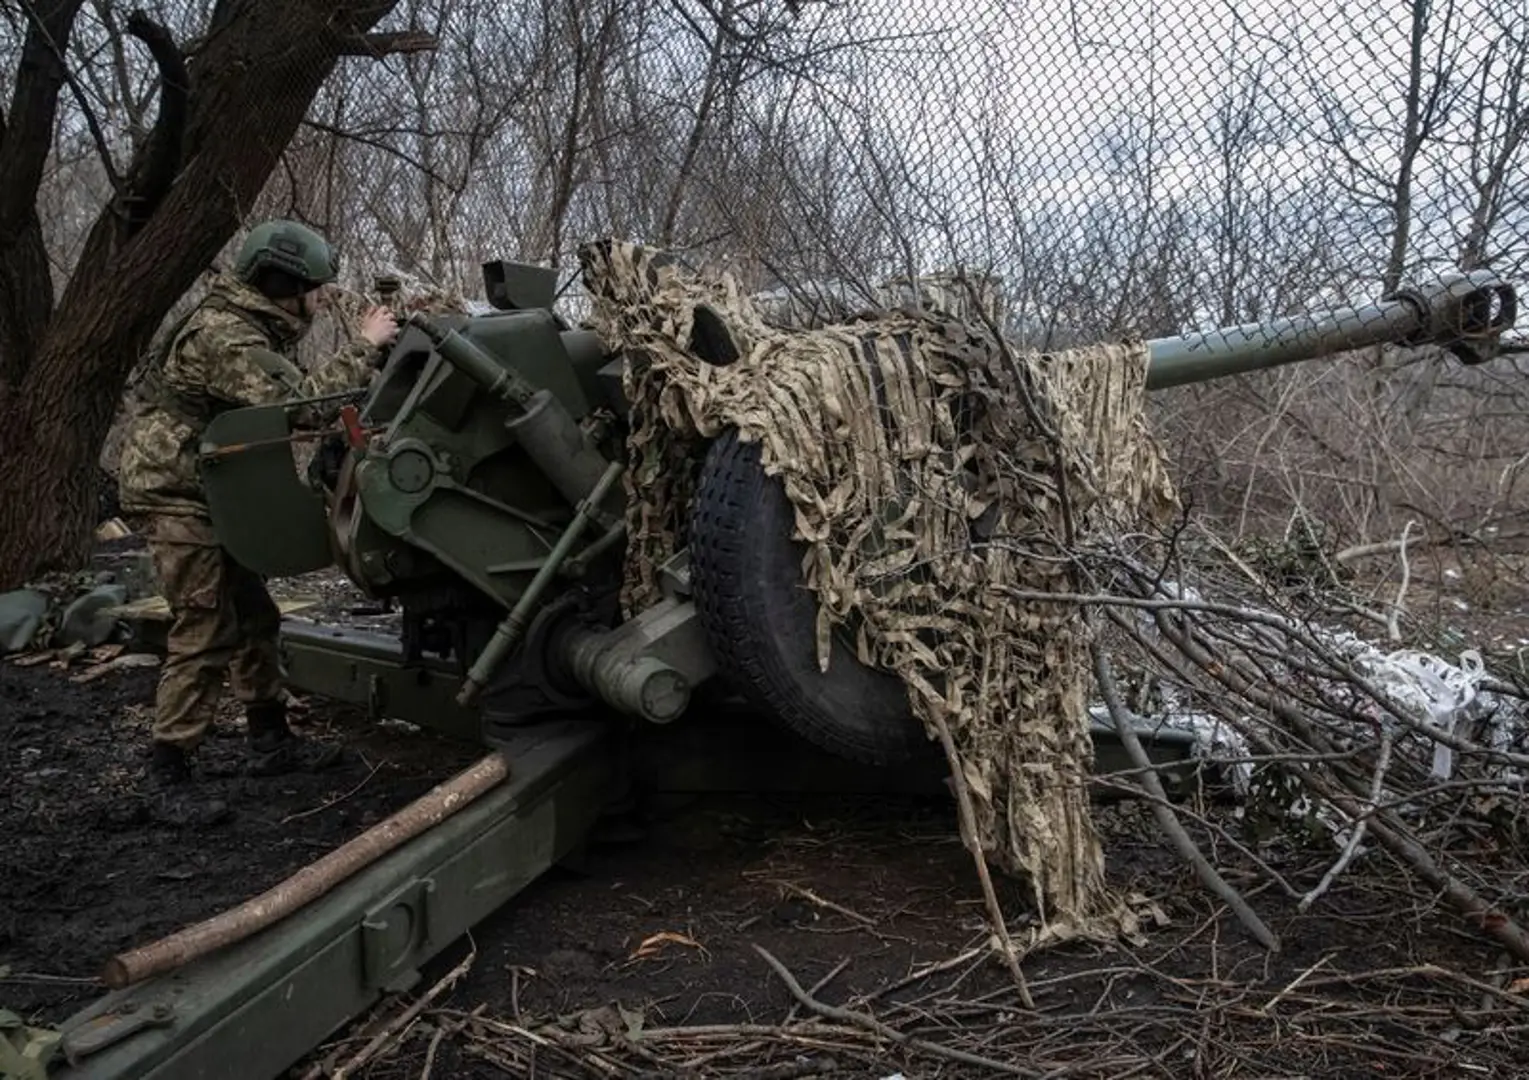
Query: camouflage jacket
[237, 348]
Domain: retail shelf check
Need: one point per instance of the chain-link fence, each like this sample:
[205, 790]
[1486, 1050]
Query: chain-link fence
[1140, 168]
[1143, 167]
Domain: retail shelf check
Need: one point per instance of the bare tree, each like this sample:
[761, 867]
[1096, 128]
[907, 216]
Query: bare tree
[228, 105]
[1413, 116]
[1498, 127]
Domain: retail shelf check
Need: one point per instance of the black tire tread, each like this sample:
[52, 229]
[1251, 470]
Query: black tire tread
[741, 555]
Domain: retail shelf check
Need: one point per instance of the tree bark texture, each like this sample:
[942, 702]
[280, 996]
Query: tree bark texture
[63, 367]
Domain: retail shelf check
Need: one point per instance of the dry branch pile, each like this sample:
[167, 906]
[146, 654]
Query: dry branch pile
[1321, 728]
[1190, 1004]
[1404, 1021]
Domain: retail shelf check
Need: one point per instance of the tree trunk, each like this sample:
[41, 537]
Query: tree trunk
[250, 88]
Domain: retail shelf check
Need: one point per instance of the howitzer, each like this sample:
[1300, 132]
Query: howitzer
[489, 507]
[478, 488]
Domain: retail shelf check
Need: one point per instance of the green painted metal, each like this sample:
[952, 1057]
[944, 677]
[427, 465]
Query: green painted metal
[723, 747]
[731, 750]
[468, 507]
[518, 286]
[367, 669]
[1464, 313]
[252, 1010]
[464, 507]
[647, 666]
[266, 515]
[507, 635]
[499, 379]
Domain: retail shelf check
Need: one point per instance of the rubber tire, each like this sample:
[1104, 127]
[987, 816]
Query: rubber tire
[759, 617]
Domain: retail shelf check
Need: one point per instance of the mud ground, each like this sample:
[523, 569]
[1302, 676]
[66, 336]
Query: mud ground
[873, 903]
[84, 869]
[851, 895]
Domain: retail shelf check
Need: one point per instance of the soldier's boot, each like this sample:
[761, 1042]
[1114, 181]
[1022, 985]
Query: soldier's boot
[174, 798]
[274, 748]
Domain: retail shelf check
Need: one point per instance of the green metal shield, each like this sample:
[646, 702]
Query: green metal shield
[263, 512]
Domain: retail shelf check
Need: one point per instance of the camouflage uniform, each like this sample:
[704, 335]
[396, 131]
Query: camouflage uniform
[236, 349]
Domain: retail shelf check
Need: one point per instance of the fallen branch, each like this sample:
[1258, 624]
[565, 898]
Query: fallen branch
[813, 898]
[1392, 834]
[870, 1023]
[388, 1035]
[446, 1027]
[816, 987]
[1163, 812]
[1382, 763]
[966, 818]
[1386, 547]
[327, 803]
[1393, 623]
[309, 883]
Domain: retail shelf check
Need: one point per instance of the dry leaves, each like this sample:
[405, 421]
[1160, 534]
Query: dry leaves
[653, 945]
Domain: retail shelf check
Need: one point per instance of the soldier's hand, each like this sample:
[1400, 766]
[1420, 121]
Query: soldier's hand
[379, 327]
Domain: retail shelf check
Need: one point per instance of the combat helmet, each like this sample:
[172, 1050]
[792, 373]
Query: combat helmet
[291, 248]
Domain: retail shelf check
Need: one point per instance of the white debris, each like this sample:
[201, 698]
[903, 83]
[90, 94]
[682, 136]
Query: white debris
[1434, 691]
[1411, 685]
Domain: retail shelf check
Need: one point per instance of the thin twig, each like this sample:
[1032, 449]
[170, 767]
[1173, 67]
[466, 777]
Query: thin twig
[870, 1023]
[814, 898]
[1297, 981]
[1393, 622]
[1383, 761]
[816, 987]
[386, 1037]
[334, 801]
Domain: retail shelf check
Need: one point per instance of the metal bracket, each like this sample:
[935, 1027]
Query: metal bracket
[110, 1028]
[674, 576]
[646, 666]
[395, 932]
[376, 698]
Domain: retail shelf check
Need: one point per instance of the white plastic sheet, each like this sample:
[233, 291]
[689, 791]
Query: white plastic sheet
[1433, 691]
[1413, 685]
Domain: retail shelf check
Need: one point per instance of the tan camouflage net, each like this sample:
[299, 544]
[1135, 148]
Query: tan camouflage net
[946, 438]
[347, 307]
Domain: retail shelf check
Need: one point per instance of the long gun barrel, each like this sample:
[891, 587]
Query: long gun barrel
[1464, 313]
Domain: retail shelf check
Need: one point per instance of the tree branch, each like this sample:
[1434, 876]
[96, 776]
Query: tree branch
[40, 76]
[1163, 811]
[155, 167]
[26, 284]
[380, 45]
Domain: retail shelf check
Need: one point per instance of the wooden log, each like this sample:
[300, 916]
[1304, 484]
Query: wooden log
[309, 883]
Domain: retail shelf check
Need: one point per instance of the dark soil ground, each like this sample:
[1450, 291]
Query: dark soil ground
[85, 871]
[871, 904]
[877, 909]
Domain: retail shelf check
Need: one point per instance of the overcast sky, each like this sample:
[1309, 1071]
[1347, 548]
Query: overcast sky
[1046, 92]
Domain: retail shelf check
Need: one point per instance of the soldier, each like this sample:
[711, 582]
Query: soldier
[235, 349]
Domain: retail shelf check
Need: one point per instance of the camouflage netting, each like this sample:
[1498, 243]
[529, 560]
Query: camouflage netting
[940, 420]
[348, 306]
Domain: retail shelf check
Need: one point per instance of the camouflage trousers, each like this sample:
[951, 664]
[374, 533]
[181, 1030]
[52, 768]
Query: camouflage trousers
[223, 622]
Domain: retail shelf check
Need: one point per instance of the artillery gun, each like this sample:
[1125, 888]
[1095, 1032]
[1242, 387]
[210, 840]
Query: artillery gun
[481, 493]
[477, 487]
